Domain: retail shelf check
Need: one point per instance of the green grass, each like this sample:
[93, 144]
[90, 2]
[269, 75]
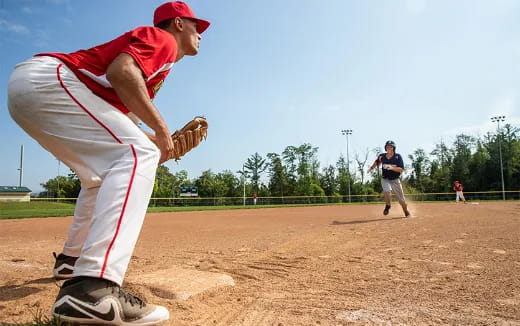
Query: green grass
[15, 210]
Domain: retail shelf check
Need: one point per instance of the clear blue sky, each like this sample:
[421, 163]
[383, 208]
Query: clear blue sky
[275, 73]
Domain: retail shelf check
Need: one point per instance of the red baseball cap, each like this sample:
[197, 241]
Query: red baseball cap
[180, 9]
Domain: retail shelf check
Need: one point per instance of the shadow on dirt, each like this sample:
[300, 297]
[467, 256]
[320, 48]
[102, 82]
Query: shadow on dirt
[14, 292]
[366, 221]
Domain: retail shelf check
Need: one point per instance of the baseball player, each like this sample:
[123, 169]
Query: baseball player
[83, 107]
[458, 187]
[393, 166]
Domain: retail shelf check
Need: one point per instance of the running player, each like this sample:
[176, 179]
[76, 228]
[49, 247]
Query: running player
[392, 165]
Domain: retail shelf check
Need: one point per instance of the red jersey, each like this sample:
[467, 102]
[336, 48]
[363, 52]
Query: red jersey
[152, 48]
[458, 187]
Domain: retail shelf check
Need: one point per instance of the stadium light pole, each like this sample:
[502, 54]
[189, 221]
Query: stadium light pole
[347, 132]
[21, 167]
[498, 119]
[58, 178]
[244, 183]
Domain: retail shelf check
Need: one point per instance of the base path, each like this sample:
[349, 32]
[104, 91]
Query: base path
[451, 264]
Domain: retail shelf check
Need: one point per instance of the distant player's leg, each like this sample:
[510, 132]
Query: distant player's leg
[457, 196]
[387, 191]
[398, 189]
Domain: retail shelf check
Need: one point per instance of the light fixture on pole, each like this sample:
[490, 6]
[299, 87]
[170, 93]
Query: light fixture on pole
[347, 132]
[498, 119]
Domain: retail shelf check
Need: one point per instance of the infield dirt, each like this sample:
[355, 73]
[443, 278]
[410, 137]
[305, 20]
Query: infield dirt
[451, 264]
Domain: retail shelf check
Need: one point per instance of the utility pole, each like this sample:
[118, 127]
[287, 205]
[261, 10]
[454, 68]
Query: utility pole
[347, 132]
[244, 184]
[497, 119]
[21, 167]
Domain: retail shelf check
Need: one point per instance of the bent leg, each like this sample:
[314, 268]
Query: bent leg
[81, 223]
[114, 159]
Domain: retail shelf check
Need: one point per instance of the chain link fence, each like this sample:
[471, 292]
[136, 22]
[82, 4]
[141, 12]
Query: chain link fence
[309, 200]
[314, 200]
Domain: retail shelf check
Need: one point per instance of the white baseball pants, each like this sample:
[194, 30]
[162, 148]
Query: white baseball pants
[113, 158]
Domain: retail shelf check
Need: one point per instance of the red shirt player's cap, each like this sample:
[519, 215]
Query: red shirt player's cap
[180, 9]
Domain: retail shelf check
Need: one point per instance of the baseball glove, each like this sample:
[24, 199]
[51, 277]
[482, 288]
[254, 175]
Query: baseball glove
[189, 136]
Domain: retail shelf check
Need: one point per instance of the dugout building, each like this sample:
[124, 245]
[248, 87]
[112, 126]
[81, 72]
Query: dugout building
[13, 193]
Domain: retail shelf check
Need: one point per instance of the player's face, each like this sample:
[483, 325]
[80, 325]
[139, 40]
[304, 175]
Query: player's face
[389, 148]
[190, 37]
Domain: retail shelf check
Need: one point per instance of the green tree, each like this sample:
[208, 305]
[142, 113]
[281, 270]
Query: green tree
[232, 183]
[290, 163]
[462, 157]
[328, 180]
[210, 186]
[306, 169]
[63, 186]
[343, 177]
[163, 185]
[441, 168]
[277, 175]
[420, 164]
[254, 167]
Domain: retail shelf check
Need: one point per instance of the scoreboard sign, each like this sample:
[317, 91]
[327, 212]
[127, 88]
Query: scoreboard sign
[188, 190]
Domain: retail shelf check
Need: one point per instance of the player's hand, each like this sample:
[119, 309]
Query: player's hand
[164, 142]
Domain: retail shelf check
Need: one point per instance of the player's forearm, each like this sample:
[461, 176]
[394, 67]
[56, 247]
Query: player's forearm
[126, 78]
[373, 166]
[397, 169]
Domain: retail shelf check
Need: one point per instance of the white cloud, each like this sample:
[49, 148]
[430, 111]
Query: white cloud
[27, 10]
[16, 28]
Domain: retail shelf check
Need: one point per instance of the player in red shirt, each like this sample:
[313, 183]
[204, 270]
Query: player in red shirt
[458, 187]
[83, 107]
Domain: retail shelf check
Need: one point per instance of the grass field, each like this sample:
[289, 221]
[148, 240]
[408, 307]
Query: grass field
[16, 210]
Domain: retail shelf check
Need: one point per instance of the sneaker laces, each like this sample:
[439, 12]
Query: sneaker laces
[132, 299]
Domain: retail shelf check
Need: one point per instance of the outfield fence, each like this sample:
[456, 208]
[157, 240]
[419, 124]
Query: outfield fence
[310, 200]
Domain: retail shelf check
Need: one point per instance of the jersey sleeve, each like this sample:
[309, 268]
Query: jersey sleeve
[152, 49]
[400, 162]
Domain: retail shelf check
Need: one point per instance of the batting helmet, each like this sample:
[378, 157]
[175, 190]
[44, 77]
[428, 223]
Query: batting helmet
[391, 143]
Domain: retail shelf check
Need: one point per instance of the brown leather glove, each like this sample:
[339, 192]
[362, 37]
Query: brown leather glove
[189, 136]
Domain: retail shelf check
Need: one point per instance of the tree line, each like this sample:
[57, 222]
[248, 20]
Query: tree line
[296, 171]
